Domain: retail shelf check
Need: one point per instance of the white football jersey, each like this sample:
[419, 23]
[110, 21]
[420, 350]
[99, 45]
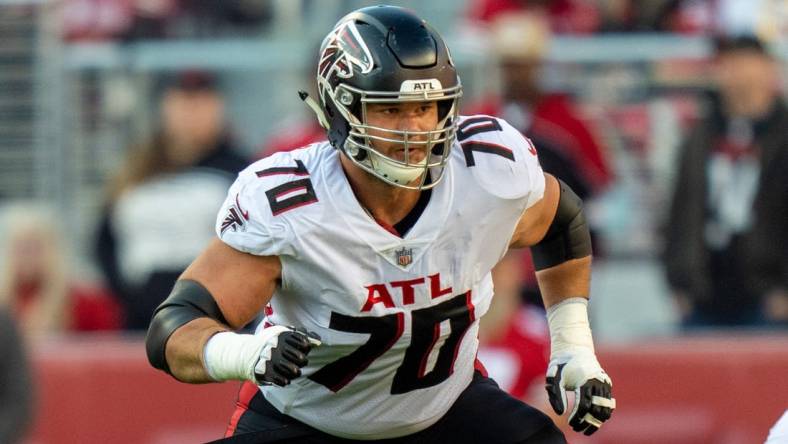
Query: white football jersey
[398, 316]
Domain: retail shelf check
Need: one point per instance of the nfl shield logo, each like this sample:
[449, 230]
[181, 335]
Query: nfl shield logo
[404, 256]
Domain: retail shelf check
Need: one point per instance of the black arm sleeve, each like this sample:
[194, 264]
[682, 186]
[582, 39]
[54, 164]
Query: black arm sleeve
[568, 236]
[188, 301]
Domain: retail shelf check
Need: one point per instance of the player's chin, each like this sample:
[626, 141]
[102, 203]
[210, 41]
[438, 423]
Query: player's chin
[414, 155]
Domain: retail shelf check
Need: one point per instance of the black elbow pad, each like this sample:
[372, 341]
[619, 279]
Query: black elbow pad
[188, 301]
[568, 236]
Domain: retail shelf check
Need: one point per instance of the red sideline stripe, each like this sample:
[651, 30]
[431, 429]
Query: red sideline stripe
[245, 395]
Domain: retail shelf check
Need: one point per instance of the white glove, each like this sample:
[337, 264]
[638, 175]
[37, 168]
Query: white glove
[573, 366]
[273, 356]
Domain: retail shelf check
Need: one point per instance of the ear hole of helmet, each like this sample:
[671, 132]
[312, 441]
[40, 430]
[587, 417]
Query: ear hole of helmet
[355, 110]
[444, 107]
[352, 149]
[441, 149]
[345, 97]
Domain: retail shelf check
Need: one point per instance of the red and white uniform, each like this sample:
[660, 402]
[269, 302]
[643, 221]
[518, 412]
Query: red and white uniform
[398, 316]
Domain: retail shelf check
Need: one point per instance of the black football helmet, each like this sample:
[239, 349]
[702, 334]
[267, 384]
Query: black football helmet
[387, 54]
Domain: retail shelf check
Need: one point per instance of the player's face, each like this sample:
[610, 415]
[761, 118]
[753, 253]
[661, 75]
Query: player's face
[408, 116]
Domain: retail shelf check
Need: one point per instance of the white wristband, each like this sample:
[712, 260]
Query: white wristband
[569, 327]
[232, 356]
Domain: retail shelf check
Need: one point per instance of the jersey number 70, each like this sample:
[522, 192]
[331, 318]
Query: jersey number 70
[384, 331]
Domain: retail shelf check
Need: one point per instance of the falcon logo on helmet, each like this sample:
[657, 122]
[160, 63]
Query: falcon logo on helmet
[387, 54]
[343, 50]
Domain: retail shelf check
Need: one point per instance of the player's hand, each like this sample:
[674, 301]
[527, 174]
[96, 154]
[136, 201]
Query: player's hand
[283, 354]
[581, 372]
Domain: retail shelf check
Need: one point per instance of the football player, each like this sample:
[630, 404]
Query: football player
[370, 255]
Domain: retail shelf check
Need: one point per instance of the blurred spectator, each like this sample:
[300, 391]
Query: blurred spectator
[765, 18]
[634, 16]
[35, 284]
[157, 19]
[293, 136]
[96, 19]
[563, 16]
[726, 254]
[163, 201]
[16, 391]
[210, 18]
[567, 146]
[301, 131]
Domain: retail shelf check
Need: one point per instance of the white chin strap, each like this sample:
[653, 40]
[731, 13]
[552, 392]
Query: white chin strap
[394, 172]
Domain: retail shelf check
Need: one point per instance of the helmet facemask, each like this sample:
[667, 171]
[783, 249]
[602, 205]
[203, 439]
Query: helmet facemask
[351, 103]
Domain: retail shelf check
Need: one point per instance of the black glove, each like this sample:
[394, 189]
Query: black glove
[594, 402]
[281, 363]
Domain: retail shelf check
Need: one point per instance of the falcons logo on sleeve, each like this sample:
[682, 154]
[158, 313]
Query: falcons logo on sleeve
[236, 218]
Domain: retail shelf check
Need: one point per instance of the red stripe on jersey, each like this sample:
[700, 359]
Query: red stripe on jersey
[435, 335]
[245, 395]
[469, 304]
[531, 147]
[477, 364]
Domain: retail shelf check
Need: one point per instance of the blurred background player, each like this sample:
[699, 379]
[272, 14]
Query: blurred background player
[162, 201]
[726, 255]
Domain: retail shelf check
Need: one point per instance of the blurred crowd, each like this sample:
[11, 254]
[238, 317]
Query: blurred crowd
[145, 19]
[725, 247]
